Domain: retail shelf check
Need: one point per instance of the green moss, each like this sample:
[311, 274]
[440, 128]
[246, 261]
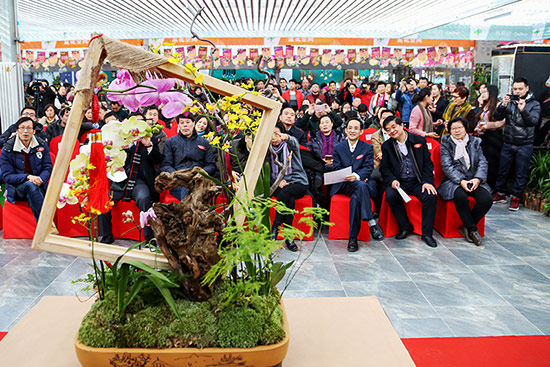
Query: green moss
[245, 323]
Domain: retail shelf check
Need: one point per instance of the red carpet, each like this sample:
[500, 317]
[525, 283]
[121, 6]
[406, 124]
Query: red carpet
[502, 351]
[2, 335]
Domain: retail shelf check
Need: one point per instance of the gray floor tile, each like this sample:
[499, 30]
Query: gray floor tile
[78, 269]
[372, 268]
[28, 282]
[308, 294]
[535, 307]
[522, 245]
[489, 254]
[513, 279]
[421, 260]
[313, 276]
[6, 258]
[539, 263]
[456, 289]
[399, 299]
[41, 258]
[486, 320]
[421, 328]
[15, 246]
[10, 308]
[340, 247]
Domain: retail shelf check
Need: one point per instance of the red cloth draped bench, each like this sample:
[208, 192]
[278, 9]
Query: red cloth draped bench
[339, 215]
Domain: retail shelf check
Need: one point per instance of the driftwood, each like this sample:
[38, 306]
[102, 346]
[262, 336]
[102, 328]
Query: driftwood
[283, 167]
[186, 231]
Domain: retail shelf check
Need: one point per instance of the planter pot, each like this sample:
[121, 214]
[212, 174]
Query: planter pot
[261, 356]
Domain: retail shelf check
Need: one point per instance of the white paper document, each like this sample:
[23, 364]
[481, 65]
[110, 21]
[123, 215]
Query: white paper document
[337, 176]
[406, 198]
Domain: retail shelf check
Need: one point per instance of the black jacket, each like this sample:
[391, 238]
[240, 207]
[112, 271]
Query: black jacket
[38, 133]
[519, 128]
[182, 153]
[390, 166]
[298, 134]
[56, 129]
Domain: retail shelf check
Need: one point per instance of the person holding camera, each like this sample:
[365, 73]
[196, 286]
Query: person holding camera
[43, 95]
[522, 113]
[404, 94]
[312, 118]
[465, 174]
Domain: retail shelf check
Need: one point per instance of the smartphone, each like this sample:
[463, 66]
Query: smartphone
[319, 107]
[513, 97]
[328, 156]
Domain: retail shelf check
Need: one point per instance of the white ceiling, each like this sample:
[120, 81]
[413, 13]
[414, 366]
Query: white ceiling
[76, 19]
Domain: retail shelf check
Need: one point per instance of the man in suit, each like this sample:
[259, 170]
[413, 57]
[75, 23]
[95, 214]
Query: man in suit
[406, 164]
[358, 155]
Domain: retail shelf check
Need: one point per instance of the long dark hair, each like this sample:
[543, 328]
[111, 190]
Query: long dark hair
[491, 103]
[421, 95]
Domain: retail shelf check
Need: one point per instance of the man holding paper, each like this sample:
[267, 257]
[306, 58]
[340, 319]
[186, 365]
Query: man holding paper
[358, 157]
[407, 167]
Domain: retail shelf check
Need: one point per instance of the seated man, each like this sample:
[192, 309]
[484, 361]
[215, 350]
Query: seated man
[358, 155]
[407, 164]
[11, 131]
[141, 162]
[26, 166]
[187, 150]
[288, 118]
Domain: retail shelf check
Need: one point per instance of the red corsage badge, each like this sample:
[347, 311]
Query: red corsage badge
[201, 147]
[417, 145]
[360, 156]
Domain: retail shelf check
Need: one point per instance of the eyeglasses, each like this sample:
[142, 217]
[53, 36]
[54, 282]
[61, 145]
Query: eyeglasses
[26, 128]
[28, 114]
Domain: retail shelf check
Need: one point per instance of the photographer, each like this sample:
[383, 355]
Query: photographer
[42, 93]
[407, 89]
[522, 113]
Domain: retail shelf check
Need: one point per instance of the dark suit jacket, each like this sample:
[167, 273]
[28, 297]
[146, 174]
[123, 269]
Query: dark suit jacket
[390, 166]
[361, 161]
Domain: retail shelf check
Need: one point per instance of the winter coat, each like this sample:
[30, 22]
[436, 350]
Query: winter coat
[310, 123]
[316, 142]
[390, 166]
[455, 170]
[12, 165]
[181, 152]
[405, 100]
[299, 97]
[519, 128]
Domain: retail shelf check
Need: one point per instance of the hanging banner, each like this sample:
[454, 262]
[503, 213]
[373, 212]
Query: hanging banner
[278, 50]
[180, 51]
[266, 52]
[454, 50]
[289, 51]
[203, 52]
[409, 54]
[253, 54]
[191, 52]
[352, 53]
[386, 52]
[64, 58]
[375, 53]
[363, 54]
[167, 51]
[398, 53]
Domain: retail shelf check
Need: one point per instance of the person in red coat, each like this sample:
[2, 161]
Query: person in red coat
[294, 97]
[316, 94]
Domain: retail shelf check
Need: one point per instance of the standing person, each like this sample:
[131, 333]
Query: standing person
[294, 184]
[404, 95]
[406, 164]
[120, 112]
[332, 94]
[294, 97]
[465, 174]
[26, 166]
[439, 105]
[490, 132]
[522, 113]
[323, 142]
[365, 93]
[187, 150]
[358, 155]
[392, 102]
[315, 94]
[460, 108]
[421, 120]
[379, 99]
[348, 91]
[61, 98]
[306, 91]
[423, 82]
[43, 95]
[283, 85]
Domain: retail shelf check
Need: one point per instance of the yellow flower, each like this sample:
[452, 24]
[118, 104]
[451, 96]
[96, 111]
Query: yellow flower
[155, 49]
[174, 59]
[194, 109]
[226, 147]
[209, 135]
[215, 141]
[211, 107]
[199, 79]
[190, 68]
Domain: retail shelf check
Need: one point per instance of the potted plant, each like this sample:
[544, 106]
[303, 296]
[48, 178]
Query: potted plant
[218, 305]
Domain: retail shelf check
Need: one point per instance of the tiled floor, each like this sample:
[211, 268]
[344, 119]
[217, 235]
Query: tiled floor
[455, 289]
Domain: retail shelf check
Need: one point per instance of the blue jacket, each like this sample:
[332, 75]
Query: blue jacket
[405, 99]
[182, 153]
[361, 161]
[12, 164]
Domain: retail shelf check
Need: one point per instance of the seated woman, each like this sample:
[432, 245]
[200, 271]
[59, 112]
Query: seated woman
[421, 121]
[26, 166]
[294, 184]
[323, 142]
[465, 174]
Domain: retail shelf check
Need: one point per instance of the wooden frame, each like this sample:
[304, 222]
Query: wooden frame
[46, 237]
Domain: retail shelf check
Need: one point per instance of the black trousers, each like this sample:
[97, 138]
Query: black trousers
[470, 218]
[429, 205]
[142, 197]
[359, 204]
[288, 195]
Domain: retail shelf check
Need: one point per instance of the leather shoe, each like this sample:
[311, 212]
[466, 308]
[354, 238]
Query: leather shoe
[463, 231]
[403, 234]
[107, 239]
[429, 240]
[376, 232]
[476, 238]
[291, 246]
[352, 245]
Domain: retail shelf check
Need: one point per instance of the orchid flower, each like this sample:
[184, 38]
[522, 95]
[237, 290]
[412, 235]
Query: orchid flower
[66, 196]
[174, 103]
[122, 82]
[144, 216]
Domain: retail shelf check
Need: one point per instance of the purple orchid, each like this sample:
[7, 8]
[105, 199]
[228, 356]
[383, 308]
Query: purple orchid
[144, 217]
[149, 96]
[122, 82]
[174, 103]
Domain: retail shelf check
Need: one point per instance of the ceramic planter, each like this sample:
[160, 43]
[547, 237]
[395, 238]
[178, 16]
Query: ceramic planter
[261, 356]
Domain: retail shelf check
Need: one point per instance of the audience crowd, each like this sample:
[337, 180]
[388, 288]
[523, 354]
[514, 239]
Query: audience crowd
[385, 132]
